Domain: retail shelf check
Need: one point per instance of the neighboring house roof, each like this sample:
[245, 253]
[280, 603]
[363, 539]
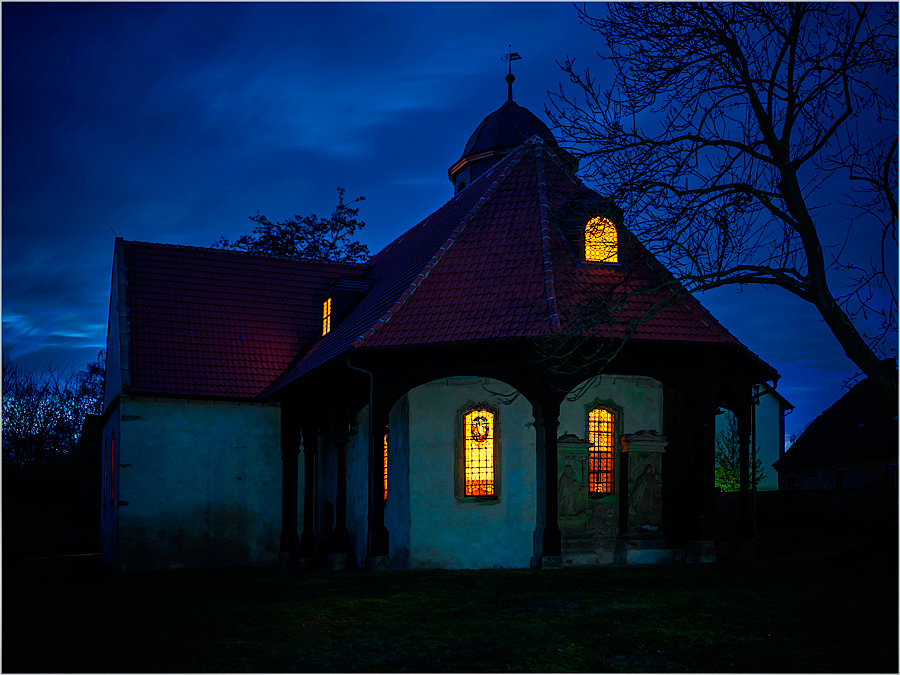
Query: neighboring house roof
[494, 263]
[220, 324]
[860, 425]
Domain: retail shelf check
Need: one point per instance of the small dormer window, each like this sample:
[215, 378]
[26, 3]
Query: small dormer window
[326, 316]
[601, 241]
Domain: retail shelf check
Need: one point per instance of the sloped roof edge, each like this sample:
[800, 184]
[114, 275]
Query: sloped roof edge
[436, 258]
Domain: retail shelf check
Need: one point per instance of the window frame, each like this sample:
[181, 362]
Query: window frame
[460, 451]
[326, 317]
[616, 410]
[584, 242]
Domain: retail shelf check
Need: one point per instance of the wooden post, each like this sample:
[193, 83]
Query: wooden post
[745, 519]
[703, 431]
[310, 450]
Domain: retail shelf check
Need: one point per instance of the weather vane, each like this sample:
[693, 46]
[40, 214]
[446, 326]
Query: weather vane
[509, 57]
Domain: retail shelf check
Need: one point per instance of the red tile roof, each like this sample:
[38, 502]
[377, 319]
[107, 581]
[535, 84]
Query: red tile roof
[495, 262]
[219, 324]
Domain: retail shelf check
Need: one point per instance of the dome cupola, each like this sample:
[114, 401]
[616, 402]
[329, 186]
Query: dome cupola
[499, 133]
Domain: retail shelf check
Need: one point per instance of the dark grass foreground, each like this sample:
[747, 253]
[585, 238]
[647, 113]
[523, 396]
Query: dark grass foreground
[811, 601]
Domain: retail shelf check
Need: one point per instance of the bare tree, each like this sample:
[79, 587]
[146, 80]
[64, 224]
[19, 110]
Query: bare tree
[308, 237]
[718, 136]
[728, 458]
[43, 412]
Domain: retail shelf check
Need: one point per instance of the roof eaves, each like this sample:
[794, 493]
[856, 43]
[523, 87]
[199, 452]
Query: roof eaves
[436, 258]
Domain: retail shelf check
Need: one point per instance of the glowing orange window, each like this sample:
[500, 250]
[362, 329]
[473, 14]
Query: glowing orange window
[478, 428]
[601, 435]
[601, 241]
[385, 467]
[326, 316]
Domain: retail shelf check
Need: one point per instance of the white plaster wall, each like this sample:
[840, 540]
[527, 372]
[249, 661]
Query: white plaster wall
[444, 531]
[767, 439]
[199, 483]
[640, 399]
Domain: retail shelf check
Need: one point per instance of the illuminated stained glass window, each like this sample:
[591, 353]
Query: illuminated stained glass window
[478, 426]
[601, 435]
[601, 241]
[385, 467]
[326, 316]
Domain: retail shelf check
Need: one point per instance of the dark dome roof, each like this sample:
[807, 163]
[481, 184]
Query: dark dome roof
[507, 127]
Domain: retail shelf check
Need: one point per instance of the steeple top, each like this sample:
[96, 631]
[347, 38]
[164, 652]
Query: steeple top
[509, 57]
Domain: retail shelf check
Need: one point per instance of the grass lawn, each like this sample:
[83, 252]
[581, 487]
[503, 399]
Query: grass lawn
[810, 601]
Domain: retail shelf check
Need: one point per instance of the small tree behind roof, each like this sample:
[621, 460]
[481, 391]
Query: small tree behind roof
[331, 239]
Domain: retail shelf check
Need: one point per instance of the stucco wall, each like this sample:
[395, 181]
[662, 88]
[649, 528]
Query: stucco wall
[639, 398]
[444, 531]
[767, 441]
[199, 483]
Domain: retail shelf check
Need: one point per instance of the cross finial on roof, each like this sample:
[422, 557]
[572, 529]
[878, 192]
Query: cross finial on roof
[509, 57]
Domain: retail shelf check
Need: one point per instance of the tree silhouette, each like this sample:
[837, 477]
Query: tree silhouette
[308, 237]
[721, 127]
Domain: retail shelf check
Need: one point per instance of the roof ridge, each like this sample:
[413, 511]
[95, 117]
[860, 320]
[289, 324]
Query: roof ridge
[515, 158]
[549, 283]
[246, 254]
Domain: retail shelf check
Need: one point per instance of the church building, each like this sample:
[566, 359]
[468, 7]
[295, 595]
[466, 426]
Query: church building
[513, 382]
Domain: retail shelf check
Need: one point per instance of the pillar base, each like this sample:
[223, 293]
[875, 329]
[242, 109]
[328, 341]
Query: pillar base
[380, 563]
[337, 561]
[701, 551]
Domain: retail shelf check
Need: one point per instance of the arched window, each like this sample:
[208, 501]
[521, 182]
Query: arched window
[601, 241]
[601, 461]
[478, 453]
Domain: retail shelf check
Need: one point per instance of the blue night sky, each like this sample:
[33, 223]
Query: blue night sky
[175, 122]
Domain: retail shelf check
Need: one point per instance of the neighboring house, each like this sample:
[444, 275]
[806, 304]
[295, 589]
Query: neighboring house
[852, 444]
[512, 382]
[767, 431]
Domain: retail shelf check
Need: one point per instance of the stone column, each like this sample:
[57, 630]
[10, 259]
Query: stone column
[644, 496]
[546, 534]
[340, 540]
